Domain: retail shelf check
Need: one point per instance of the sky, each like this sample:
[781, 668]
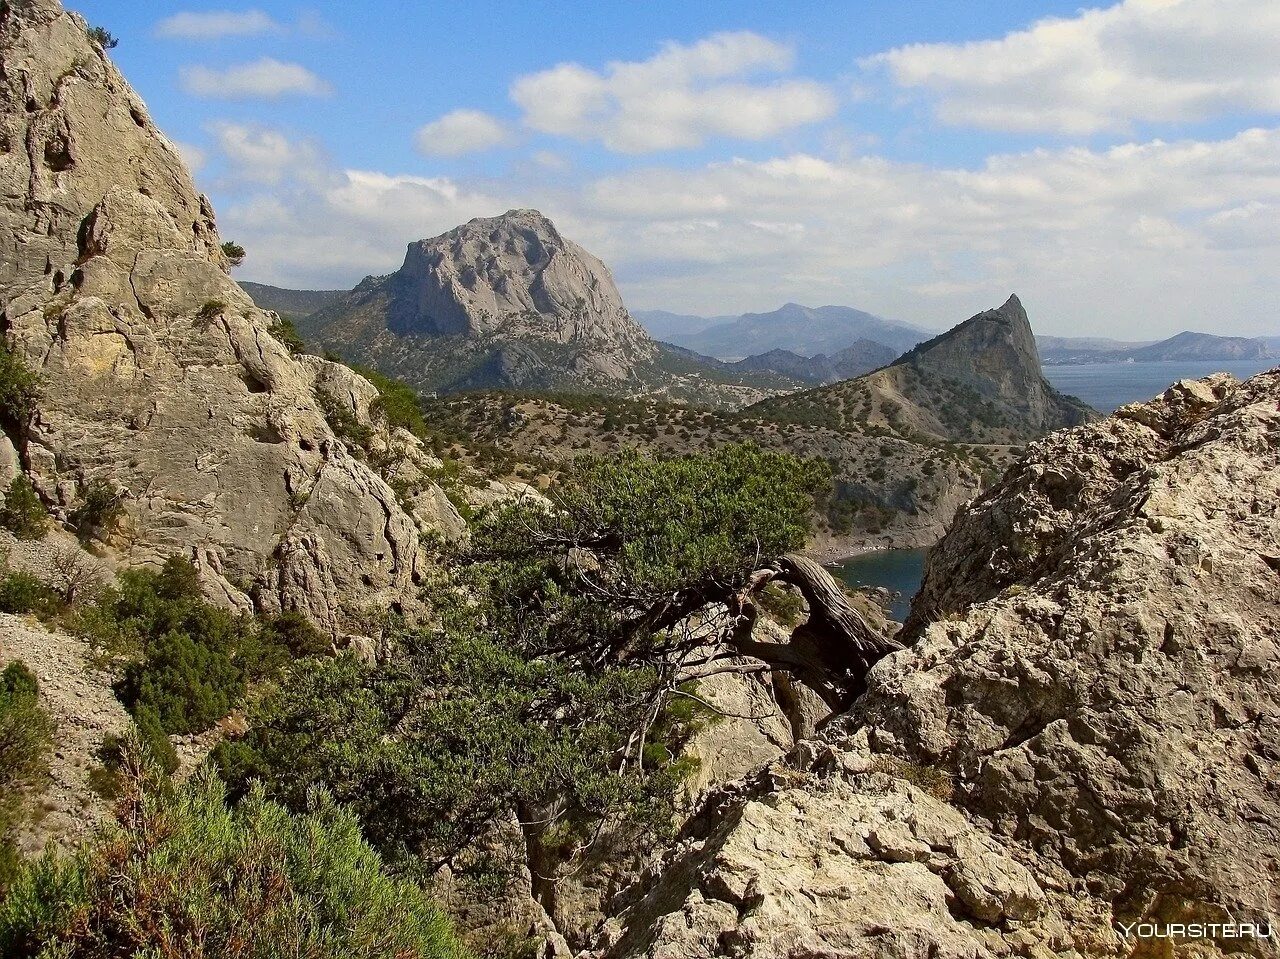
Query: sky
[1117, 166]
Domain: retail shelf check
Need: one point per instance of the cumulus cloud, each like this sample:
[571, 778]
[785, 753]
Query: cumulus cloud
[1149, 237]
[460, 132]
[679, 98]
[1152, 237]
[255, 154]
[310, 224]
[215, 24]
[1104, 69]
[265, 78]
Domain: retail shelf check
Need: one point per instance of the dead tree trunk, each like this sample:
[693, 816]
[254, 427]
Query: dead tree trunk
[832, 651]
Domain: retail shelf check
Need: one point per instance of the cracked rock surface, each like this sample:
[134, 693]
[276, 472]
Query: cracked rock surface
[160, 377]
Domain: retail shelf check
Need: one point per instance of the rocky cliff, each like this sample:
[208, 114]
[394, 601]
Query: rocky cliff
[980, 382]
[505, 300]
[1079, 746]
[160, 378]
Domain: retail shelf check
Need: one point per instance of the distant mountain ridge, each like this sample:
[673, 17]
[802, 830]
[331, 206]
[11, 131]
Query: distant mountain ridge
[1187, 345]
[799, 329]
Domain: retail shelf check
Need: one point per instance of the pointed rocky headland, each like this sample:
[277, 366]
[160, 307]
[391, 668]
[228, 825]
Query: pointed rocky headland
[499, 301]
[161, 382]
[980, 382]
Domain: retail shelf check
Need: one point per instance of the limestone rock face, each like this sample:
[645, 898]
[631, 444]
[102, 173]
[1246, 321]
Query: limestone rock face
[994, 354]
[505, 300]
[1097, 655]
[1083, 735]
[160, 377]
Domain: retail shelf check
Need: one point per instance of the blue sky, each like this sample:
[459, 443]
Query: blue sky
[1118, 167]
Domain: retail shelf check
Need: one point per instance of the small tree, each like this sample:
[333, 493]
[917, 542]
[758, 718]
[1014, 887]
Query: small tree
[233, 252]
[23, 514]
[102, 38]
[99, 512]
[74, 574]
[19, 392]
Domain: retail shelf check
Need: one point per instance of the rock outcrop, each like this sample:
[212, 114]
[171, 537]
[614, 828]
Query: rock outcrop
[498, 301]
[160, 377]
[980, 382]
[1081, 742]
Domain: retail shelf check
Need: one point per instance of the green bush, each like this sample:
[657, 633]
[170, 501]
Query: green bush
[21, 592]
[343, 420]
[181, 875]
[25, 737]
[234, 252]
[19, 391]
[99, 511]
[284, 331]
[23, 514]
[102, 38]
[188, 663]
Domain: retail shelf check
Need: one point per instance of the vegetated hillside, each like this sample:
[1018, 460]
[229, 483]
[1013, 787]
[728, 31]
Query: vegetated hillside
[800, 329]
[888, 487]
[295, 304]
[977, 383]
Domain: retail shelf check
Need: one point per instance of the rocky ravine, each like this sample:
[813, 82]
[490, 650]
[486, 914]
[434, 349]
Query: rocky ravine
[1083, 736]
[159, 375]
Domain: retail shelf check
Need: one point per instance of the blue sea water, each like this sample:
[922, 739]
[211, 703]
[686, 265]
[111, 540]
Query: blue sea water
[1107, 386]
[1104, 386]
[897, 570]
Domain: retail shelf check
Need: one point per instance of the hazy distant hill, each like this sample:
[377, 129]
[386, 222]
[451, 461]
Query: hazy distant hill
[295, 304]
[663, 325]
[1187, 345]
[1057, 350]
[805, 330]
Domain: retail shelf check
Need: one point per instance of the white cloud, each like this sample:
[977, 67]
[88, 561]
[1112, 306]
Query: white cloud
[1149, 237]
[308, 224]
[460, 132]
[215, 24]
[265, 78]
[261, 155]
[1104, 69]
[678, 98]
[193, 156]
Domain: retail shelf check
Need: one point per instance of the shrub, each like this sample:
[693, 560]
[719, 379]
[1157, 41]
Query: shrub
[343, 420]
[21, 592]
[102, 38]
[23, 514]
[25, 737]
[182, 875]
[99, 512]
[189, 663]
[284, 331]
[211, 310]
[19, 391]
[234, 252]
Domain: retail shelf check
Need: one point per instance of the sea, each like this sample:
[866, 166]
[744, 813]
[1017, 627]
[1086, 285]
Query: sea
[1108, 386]
[1105, 387]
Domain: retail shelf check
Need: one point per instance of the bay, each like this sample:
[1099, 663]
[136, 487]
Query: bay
[898, 570]
[1107, 386]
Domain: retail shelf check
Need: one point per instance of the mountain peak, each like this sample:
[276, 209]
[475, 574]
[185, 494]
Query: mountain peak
[502, 283]
[994, 354]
